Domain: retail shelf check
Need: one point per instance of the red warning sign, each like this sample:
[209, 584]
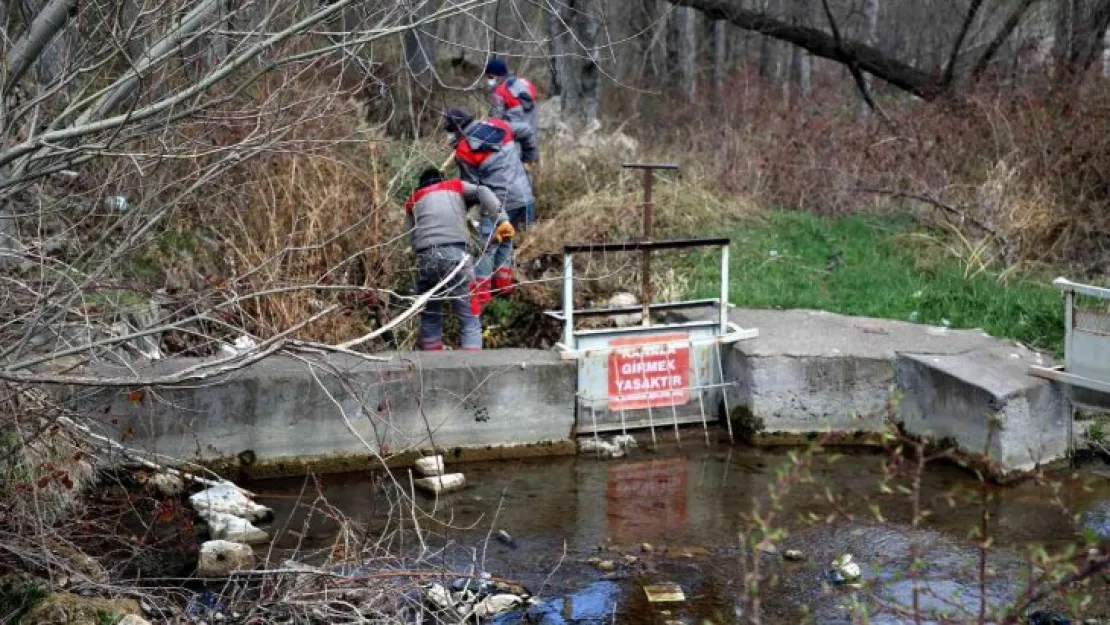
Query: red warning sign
[649, 371]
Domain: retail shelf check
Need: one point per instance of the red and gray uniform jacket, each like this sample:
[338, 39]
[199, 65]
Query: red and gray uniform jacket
[436, 214]
[492, 153]
[514, 100]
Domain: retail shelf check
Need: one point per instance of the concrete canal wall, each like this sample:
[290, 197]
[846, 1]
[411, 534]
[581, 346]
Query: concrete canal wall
[807, 373]
[339, 413]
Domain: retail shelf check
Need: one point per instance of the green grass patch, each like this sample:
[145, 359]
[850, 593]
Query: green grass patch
[879, 267]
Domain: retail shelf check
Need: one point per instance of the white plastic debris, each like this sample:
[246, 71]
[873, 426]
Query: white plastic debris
[496, 604]
[116, 203]
[224, 526]
[440, 597]
[793, 555]
[227, 499]
[615, 447]
[241, 345]
[844, 571]
[441, 484]
[624, 441]
[602, 448]
[430, 465]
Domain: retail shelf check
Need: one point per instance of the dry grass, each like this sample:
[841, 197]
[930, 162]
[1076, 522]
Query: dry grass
[1029, 165]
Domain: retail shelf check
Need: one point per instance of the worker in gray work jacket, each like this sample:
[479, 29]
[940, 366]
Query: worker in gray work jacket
[514, 99]
[436, 217]
[492, 153]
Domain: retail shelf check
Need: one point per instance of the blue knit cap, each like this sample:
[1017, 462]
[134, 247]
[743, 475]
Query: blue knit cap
[497, 67]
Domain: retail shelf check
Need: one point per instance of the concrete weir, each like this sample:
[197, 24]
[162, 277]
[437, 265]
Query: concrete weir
[816, 372]
[335, 413]
[807, 373]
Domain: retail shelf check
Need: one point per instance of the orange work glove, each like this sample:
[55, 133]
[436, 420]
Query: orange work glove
[505, 232]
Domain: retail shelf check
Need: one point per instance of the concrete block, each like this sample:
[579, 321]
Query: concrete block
[219, 558]
[429, 465]
[325, 410]
[442, 484]
[815, 372]
[227, 499]
[984, 402]
[224, 526]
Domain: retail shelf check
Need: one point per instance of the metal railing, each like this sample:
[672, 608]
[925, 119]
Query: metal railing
[647, 307]
[1086, 340]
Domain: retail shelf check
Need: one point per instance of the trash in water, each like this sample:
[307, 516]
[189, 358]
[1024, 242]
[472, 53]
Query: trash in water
[479, 597]
[442, 484]
[665, 592]
[204, 603]
[844, 571]
[242, 345]
[793, 555]
[430, 466]
[1048, 617]
[505, 538]
[116, 202]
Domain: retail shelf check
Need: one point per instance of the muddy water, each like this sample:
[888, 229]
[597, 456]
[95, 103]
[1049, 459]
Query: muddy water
[676, 514]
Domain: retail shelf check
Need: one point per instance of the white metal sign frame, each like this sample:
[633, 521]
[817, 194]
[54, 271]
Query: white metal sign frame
[691, 347]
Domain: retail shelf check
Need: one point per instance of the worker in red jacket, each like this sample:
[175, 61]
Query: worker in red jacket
[492, 153]
[435, 217]
[514, 99]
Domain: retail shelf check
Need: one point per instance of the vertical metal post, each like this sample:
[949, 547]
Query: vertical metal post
[568, 301]
[724, 290]
[1069, 324]
[645, 265]
[645, 262]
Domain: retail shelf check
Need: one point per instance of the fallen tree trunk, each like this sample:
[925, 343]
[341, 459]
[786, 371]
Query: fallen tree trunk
[868, 58]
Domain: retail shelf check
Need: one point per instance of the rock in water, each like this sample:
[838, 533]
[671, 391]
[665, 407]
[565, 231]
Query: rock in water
[223, 526]
[1048, 617]
[441, 484]
[166, 484]
[430, 466]
[219, 558]
[227, 499]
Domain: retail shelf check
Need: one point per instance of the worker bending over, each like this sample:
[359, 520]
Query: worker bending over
[436, 218]
[492, 153]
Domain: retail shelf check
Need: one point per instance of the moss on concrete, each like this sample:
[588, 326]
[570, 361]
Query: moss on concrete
[245, 466]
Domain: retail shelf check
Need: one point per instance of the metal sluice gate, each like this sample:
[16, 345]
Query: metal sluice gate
[657, 373]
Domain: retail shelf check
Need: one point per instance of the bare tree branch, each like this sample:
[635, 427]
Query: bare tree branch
[853, 67]
[1000, 38]
[950, 66]
[820, 43]
[49, 21]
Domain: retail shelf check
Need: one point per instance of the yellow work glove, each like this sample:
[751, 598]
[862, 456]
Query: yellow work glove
[530, 167]
[505, 232]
